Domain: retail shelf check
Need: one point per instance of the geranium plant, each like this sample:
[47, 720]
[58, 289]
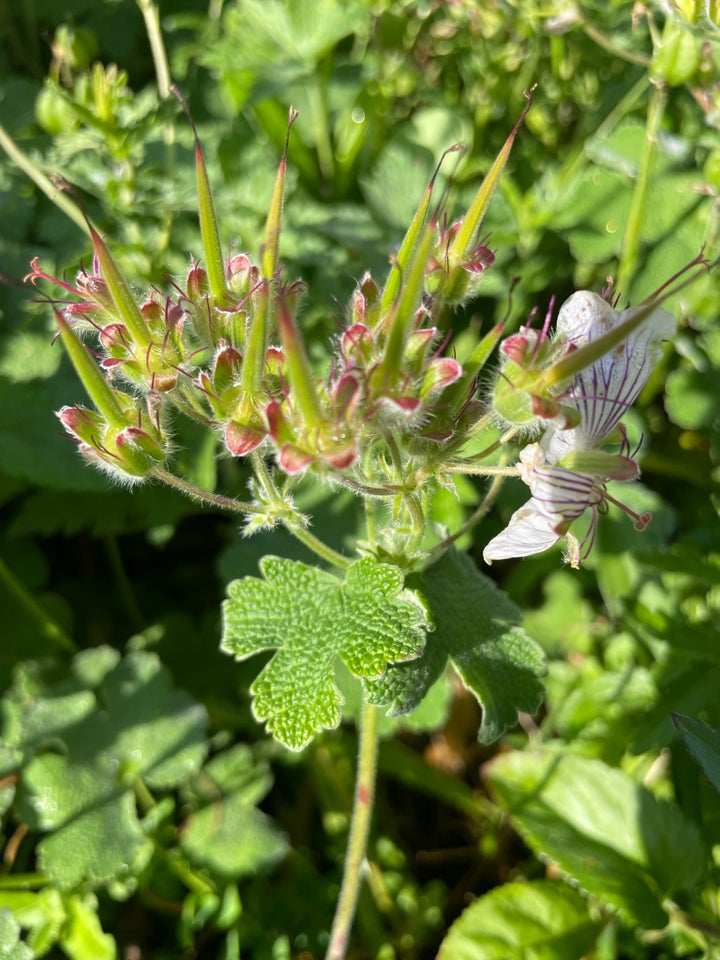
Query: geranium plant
[392, 414]
[436, 429]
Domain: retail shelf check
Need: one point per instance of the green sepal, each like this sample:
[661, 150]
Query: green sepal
[209, 232]
[466, 236]
[120, 292]
[401, 320]
[299, 372]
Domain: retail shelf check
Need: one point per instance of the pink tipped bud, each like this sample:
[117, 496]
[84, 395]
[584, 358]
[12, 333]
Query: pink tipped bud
[141, 441]
[242, 439]
[294, 460]
[113, 339]
[365, 302]
[440, 373]
[418, 343]
[406, 405]
[345, 396]
[356, 344]
[243, 275]
[197, 284]
[274, 361]
[84, 425]
[517, 347]
[343, 456]
[153, 312]
[226, 367]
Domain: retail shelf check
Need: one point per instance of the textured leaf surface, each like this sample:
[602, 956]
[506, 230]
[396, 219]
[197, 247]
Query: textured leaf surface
[43, 915]
[311, 617]
[475, 628]
[608, 833]
[703, 742]
[228, 835]
[541, 920]
[10, 946]
[131, 725]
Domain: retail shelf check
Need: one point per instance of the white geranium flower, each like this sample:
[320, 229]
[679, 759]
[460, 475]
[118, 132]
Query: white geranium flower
[566, 472]
[603, 392]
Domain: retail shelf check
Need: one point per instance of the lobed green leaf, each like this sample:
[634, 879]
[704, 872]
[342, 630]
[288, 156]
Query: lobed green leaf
[91, 749]
[475, 629]
[311, 617]
[227, 835]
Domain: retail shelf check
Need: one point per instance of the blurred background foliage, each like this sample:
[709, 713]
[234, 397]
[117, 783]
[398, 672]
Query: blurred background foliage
[616, 172]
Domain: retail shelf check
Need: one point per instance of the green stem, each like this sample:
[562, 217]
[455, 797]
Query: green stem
[478, 470]
[472, 521]
[239, 506]
[49, 627]
[23, 881]
[631, 240]
[299, 531]
[145, 799]
[316, 545]
[358, 839]
[263, 475]
[417, 521]
[31, 169]
[184, 872]
[152, 26]
[197, 493]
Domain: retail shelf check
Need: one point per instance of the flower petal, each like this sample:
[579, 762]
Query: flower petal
[529, 531]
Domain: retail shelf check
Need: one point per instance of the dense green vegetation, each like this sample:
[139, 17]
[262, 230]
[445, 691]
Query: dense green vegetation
[549, 767]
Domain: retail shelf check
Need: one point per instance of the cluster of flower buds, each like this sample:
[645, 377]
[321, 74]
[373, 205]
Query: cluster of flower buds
[225, 347]
[394, 407]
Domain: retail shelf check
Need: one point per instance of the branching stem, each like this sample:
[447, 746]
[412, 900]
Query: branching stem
[239, 506]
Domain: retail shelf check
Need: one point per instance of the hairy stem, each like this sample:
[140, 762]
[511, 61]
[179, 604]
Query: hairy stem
[359, 832]
[312, 542]
[197, 493]
[317, 546]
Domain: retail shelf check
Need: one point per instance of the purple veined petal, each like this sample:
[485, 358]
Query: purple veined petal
[563, 495]
[584, 316]
[528, 532]
[603, 392]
